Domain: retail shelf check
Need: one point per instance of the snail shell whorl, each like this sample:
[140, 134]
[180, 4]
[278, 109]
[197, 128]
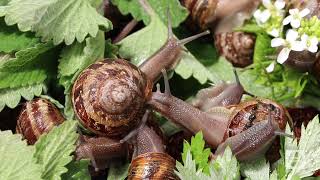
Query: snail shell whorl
[152, 166]
[236, 47]
[251, 112]
[109, 96]
[201, 11]
[37, 117]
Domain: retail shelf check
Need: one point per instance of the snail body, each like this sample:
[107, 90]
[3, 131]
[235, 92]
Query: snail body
[215, 125]
[37, 117]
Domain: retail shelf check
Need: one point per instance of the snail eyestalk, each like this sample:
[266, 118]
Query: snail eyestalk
[191, 38]
[166, 82]
[134, 132]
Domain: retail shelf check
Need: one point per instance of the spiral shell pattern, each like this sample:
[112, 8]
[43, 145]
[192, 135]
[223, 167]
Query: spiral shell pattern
[236, 47]
[251, 112]
[37, 117]
[109, 97]
[152, 166]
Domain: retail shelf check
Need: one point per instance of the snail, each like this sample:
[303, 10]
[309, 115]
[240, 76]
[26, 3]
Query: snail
[37, 117]
[215, 125]
[149, 159]
[109, 96]
[222, 94]
[221, 17]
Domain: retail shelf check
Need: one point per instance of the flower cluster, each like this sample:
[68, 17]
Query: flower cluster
[304, 35]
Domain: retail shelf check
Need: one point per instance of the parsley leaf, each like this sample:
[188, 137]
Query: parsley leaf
[302, 159]
[77, 170]
[16, 158]
[177, 12]
[57, 20]
[199, 153]
[257, 169]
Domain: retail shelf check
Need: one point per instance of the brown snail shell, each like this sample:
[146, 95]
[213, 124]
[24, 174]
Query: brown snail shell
[236, 47]
[109, 97]
[251, 112]
[152, 166]
[302, 61]
[37, 117]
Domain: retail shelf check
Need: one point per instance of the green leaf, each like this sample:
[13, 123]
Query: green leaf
[34, 71]
[57, 20]
[118, 172]
[199, 153]
[257, 169]
[11, 97]
[16, 158]
[4, 2]
[302, 159]
[53, 150]
[77, 170]
[251, 28]
[226, 166]
[74, 59]
[178, 13]
[189, 171]
[12, 40]
[149, 40]
[53, 101]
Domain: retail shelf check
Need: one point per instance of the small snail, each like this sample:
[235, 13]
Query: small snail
[109, 96]
[37, 116]
[215, 125]
[221, 17]
[150, 160]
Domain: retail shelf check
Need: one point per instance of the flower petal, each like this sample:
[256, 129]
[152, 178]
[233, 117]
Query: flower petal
[297, 46]
[287, 20]
[280, 4]
[265, 15]
[294, 11]
[270, 68]
[276, 42]
[314, 41]
[274, 32]
[304, 38]
[266, 3]
[283, 55]
[313, 48]
[304, 12]
[295, 23]
[291, 35]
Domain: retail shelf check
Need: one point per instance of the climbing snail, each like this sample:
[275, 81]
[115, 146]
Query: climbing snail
[109, 96]
[37, 116]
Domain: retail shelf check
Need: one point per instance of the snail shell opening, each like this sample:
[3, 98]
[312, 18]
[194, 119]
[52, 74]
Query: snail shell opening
[109, 97]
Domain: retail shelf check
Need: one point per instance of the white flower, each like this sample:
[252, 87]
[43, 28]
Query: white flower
[310, 43]
[288, 44]
[274, 32]
[295, 17]
[270, 68]
[262, 16]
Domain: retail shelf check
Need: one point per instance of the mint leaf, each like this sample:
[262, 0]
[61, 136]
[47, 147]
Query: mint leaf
[118, 172]
[53, 149]
[74, 59]
[199, 153]
[12, 40]
[11, 97]
[257, 169]
[177, 12]
[77, 170]
[302, 159]
[225, 166]
[16, 158]
[57, 20]
[34, 71]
